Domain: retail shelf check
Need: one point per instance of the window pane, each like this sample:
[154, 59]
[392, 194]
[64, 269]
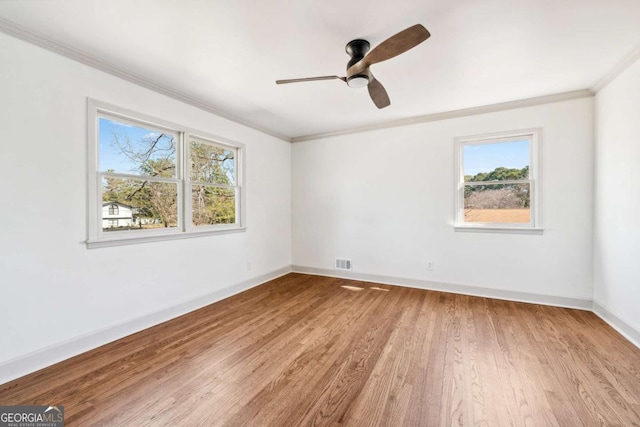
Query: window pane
[496, 161]
[213, 205]
[497, 203]
[135, 150]
[135, 204]
[212, 163]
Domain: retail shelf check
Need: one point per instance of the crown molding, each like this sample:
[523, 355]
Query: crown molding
[32, 37]
[618, 69]
[29, 36]
[540, 100]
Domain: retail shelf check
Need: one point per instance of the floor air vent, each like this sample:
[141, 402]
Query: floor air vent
[343, 264]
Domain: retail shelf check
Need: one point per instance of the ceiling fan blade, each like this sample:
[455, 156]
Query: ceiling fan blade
[392, 47]
[310, 79]
[378, 93]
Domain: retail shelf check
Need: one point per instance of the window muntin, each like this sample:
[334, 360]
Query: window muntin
[497, 181]
[145, 169]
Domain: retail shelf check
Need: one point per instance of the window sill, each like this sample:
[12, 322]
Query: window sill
[134, 240]
[504, 230]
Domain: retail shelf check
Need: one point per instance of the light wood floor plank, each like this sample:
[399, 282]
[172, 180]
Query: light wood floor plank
[304, 350]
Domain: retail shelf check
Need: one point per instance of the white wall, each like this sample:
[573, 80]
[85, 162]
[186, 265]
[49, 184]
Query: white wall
[53, 288]
[385, 199]
[617, 198]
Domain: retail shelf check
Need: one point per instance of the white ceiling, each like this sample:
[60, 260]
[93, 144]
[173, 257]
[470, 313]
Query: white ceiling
[228, 54]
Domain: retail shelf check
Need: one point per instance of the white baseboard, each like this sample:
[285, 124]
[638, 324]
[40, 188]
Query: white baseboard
[557, 301]
[31, 362]
[23, 365]
[616, 322]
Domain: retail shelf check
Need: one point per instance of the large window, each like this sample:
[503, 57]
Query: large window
[173, 181]
[498, 185]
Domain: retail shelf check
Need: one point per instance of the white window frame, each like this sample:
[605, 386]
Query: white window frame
[535, 142]
[97, 237]
[188, 183]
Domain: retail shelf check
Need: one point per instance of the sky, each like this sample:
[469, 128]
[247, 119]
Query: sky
[486, 157]
[110, 156]
[477, 157]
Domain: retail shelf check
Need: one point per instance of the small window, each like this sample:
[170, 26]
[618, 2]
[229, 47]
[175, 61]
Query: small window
[498, 181]
[162, 179]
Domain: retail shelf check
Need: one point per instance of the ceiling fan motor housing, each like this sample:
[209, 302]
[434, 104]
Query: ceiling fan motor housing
[357, 49]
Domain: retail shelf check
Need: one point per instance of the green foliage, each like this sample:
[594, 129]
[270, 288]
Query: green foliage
[499, 174]
[213, 205]
[154, 156]
[519, 191]
[213, 165]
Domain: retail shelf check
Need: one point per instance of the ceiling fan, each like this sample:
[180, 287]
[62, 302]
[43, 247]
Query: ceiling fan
[358, 72]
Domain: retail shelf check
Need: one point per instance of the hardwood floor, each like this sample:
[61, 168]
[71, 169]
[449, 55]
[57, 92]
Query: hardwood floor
[303, 350]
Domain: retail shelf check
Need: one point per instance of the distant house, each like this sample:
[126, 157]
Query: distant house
[116, 214]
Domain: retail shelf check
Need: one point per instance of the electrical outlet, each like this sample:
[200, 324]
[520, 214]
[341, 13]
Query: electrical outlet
[430, 265]
[248, 265]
